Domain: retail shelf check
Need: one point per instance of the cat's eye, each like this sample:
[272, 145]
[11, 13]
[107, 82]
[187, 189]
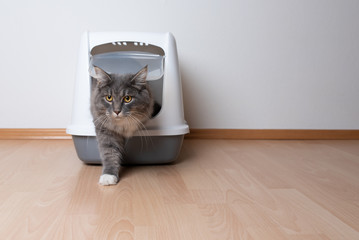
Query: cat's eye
[109, 98]
[127, 99]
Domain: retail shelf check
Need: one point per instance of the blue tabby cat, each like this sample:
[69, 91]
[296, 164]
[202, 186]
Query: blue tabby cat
[120, 105]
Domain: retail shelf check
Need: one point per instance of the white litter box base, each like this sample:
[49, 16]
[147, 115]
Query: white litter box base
[139, 150]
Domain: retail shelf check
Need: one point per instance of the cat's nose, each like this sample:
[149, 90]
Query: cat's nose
[117, 112]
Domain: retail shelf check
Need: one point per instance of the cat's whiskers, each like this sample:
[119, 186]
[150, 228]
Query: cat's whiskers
[142, 127]
[101, 121]
[131, 121]
[141, 123]
[105, 122]
[97, 119]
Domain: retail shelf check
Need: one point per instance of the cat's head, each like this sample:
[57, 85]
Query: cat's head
[122, 100]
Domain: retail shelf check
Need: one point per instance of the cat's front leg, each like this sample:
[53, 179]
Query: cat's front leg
[111, 152]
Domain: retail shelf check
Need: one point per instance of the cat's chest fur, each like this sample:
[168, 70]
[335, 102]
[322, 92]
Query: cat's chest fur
[124, 129]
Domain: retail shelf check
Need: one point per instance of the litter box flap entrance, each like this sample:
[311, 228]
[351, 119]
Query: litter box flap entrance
[129, 57]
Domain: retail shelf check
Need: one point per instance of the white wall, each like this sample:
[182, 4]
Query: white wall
[245, 64]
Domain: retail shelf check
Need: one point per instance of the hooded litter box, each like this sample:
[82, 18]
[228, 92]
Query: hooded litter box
[119, 52]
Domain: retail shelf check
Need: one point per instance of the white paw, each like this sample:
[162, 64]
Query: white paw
[107, 179]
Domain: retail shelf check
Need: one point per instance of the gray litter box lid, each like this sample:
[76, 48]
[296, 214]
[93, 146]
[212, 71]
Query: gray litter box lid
[129, 62]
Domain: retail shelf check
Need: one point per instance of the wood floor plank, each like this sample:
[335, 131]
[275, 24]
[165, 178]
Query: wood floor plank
[45, 213]
[221, 222]
[303, 208]
[148, 201]
[218, 189]
[346, 146]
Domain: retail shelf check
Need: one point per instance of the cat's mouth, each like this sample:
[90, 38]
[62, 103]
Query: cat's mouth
[117, 118]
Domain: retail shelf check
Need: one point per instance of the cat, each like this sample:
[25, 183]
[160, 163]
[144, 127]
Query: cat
[120, 105]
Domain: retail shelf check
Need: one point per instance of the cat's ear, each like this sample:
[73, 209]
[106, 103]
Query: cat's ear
[140, 78]
[103, 78]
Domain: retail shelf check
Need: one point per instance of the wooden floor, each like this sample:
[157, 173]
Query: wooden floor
[218, 189]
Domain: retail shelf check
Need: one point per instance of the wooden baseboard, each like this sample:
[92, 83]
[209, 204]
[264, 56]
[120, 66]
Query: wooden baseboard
[251, 134]
[274, 134]
[33, 133]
